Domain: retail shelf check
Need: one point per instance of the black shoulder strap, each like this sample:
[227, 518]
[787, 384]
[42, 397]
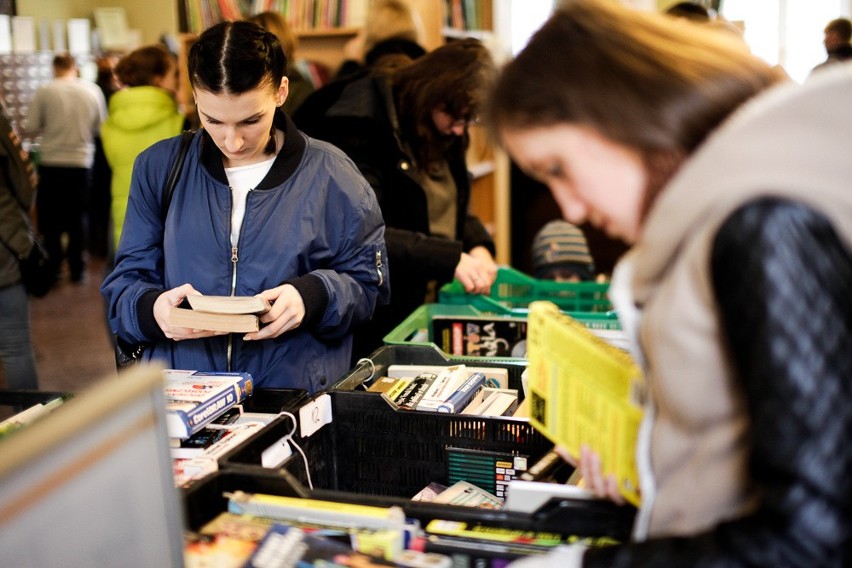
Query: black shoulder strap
[174, 171]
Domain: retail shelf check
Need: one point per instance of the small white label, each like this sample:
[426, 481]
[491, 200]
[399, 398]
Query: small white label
[314, 415]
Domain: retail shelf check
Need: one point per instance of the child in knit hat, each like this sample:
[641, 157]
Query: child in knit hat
[560, 253]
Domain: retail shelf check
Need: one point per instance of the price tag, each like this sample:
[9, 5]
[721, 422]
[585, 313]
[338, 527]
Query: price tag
[314, 415]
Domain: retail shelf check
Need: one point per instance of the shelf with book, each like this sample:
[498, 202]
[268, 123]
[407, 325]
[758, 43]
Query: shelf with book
[306, 15]
[463, 17]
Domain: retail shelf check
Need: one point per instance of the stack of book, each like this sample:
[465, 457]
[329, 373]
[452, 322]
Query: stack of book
[205, 420]
[237, 314]
[459, 389]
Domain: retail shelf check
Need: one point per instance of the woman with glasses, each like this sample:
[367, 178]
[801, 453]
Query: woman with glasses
[405, 126]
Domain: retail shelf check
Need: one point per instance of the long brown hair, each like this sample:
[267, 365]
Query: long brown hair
[644, 80]
[454, 78]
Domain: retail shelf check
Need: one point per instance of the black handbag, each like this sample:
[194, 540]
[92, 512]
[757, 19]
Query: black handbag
[37, 274]
[127, 354]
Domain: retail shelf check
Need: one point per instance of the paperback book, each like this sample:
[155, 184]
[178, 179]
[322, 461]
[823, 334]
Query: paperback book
[499, 375]
[195, 398]
[446, 382]
[480, 335]
[465, 393]
[584, 391]
[466, 494]
[214, 442]
[328, 514]
[414, 391]
[492, 402]
[237, 314]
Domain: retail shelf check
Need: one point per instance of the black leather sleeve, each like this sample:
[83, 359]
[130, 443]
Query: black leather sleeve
[783, 281]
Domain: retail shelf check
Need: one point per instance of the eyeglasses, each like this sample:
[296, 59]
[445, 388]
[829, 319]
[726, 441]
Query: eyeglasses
[465, 120]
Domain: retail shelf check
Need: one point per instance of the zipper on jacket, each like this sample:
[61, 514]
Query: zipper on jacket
[234, 258]
[379, 267]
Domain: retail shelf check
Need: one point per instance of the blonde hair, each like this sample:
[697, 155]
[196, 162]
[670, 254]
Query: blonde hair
[391, 19]
[275, 23]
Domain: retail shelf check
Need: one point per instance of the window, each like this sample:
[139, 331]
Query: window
[786, 32]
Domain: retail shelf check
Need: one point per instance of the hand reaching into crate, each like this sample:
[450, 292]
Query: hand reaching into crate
[476, 270]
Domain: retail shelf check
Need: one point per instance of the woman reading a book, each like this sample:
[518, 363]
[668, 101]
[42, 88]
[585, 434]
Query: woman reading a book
[259, 209]
[734, 192]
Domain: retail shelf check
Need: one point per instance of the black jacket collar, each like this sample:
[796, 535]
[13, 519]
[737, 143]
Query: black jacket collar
[285, 164]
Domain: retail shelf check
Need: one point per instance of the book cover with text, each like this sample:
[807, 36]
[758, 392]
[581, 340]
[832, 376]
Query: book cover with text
[194, 399]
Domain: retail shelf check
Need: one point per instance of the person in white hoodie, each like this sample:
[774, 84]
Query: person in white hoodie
[733, 190]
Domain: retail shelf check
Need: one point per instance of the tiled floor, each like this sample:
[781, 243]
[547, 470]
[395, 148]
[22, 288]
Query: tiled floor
[70, 338]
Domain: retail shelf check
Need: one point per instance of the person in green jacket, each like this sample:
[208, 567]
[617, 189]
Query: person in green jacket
[144, 111]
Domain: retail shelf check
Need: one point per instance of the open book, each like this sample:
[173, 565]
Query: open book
[236, 314]
[584, 391]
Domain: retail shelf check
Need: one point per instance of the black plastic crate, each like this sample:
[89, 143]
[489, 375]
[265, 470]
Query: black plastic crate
[568, 517]
[273, 401]
[206, 498]
[374, 455]
[13, 401]
[370, 448]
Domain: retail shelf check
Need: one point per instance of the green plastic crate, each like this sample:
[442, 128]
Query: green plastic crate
[514, 289]
[417, 328]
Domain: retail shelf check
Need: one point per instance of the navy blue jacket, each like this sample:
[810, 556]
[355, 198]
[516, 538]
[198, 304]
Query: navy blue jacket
[313, 222]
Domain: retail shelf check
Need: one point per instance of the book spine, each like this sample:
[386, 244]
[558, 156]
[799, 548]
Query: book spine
[464, 394]
[397, 389]
[203, 413]
[448, 380]
[415, 391]
[457, 529]
[314, 511]
[184, 423]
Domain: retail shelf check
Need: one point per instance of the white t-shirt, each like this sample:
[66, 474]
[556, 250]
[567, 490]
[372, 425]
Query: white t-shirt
[242, 180]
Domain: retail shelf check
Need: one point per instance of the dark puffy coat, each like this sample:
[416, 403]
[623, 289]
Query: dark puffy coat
[362, 122]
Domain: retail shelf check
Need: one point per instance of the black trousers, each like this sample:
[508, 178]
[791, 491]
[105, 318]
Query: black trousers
[61, 203]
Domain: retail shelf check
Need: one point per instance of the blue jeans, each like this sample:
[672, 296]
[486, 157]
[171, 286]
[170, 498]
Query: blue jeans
[16, 347]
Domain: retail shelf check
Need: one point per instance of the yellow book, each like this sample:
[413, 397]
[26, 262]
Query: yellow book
[584, 391]
[315, 511]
